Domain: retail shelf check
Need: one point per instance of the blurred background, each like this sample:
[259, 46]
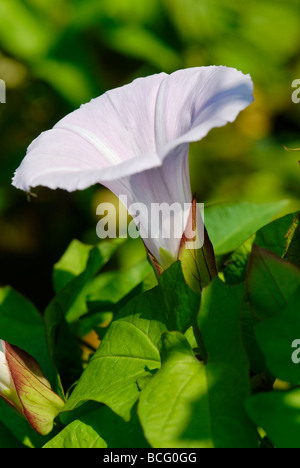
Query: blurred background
[56, 55]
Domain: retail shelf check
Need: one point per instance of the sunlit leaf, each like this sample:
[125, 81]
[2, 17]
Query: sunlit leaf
[278, 414]
[228, 366]
[100, 429]
[129, 350]
[271, 282]
[273, 236]
[22, 325]
[229, 226]
[292, 248]
[177, 415]
[275, 337]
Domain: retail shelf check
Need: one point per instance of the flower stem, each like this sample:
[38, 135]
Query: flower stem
[200, 343]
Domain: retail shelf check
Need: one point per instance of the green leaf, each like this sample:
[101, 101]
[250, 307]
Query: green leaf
[236, 267]
[106, 291]
[174, 406]
[142, 44]
[181, 302]
[110, 288]
[100, 429]
[127, 353]
[129, 350]
[275, 337]
[228, 367]
[273, 236]
[78, 434]
[20, 428]
[69, 299]
[271, 282]
[230, 225]
[63, 349]
[92, 11]
[22, 325]
[67, 78]
[189, 404]
[23, 33]
[72, 263]
[292, 248]
[7, 439]
[254, 352]
[76, 260]
[72, 273]
[278, 414]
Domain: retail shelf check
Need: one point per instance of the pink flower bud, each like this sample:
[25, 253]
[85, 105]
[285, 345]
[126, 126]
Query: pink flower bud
[24, 387]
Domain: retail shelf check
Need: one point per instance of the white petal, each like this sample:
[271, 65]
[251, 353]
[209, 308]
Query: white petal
[131, 129]
[6, 383]
[110, 137]
[156, 190]
[191, 102]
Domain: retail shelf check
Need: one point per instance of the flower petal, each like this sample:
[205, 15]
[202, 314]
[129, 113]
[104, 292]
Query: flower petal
[133, 128]
[7, 387]
[110, 137]
[162, 198]
[6, 383]
[192, 102]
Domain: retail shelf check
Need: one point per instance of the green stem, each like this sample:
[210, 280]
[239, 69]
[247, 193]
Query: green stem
[200, 343]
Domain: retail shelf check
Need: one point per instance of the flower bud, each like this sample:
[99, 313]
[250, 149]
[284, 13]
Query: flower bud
[24, 387]
[7, 388]
[196, 252]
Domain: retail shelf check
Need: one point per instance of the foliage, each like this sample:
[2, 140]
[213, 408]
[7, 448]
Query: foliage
[147, 383]
[104, 317]
[57, 55]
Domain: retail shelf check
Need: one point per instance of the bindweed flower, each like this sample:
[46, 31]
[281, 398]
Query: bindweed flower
[24, 387]
[135, 141]
[7, 387]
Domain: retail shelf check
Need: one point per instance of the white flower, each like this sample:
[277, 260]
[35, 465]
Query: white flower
[135, 139]
[6, 382]
[7, 386]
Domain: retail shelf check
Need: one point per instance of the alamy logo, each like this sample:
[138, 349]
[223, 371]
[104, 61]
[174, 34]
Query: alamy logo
[155, 221]
[296, 354]
[2, 92]
[296, 93]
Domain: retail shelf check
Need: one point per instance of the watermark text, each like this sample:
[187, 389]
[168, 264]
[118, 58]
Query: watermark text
[296, 93]
[2, 92]
[153, 221]
[296, 353]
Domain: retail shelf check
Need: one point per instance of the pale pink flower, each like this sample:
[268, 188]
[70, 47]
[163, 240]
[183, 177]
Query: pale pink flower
[135, 139]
